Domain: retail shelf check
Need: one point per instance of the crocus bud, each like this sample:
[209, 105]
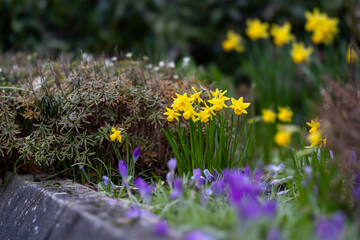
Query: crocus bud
[172, 164]
[106, 180]
[136, 154]
[123, 169]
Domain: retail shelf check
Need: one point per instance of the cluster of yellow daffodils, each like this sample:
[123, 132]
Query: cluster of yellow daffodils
[323, 27]
[233, 42]
[323, 30]
[283, 136]
[284, 115]
[195, 108]
[315, 136]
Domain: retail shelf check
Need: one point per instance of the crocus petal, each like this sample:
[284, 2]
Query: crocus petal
[161, 228]
[198, 235]
[207, 175]
[123, 170]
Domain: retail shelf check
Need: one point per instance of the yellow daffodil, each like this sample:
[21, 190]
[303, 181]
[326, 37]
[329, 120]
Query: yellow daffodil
[196, 95]
[239, 106]
[218, 100]
[313, 19]
[268, 116]
[323, 27]
[233, 42]
[256, 29]
[181, 102]
[281, 35]
[299, 53]
[203, 116]
[351, 55]
[116, 135]
[314, 124]
[315, 139]
[189, 112]
[172, 115]
[285, 114]
[209, 110]
[282, 138]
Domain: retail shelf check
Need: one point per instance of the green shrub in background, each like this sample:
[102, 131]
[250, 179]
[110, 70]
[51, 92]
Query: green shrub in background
[57, 113]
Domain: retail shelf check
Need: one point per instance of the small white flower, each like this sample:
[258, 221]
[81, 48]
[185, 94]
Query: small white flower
[87, 57]
[156, 69]
[186, 61]
[149, 66]
[0, 70]
[171, 64]
[176, 76]
[15, 67]
[129, 55]
[36, 83]
[276, 168]
[161, 64]
[108, 63]
[145, 58]
[114, 59]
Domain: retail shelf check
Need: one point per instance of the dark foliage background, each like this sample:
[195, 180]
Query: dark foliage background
[157, 28]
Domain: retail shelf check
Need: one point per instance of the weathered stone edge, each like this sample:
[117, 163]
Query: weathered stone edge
[66, 210]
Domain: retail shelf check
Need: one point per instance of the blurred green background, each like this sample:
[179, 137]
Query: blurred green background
[158, 28]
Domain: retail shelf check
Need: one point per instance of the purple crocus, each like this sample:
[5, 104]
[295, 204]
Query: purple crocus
[218, 187]
[330, 228]
[133, 212]
[172, 164]
[106, 180]
[198, 235]
[208, 175]
[144, 189]
[123, 170]
[177, 192]
[161, 228]
[136, 212]
[197, 178]
[243, 194]
[240, 186]
[136, 154]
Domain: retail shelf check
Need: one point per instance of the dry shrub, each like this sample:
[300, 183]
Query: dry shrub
[67, 108]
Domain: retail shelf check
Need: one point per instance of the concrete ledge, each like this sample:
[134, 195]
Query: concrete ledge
[66, 210]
